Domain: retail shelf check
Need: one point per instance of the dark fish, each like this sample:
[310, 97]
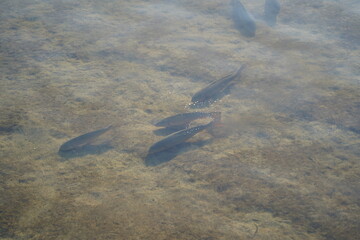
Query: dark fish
[185, 118]
[244, 22]
[82, 140]
[177, 138]
[210, 92]
[271, 10]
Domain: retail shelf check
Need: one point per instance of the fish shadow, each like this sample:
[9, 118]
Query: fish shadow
[168, 130]
[158, 158]
[210, 101]
[85, 150]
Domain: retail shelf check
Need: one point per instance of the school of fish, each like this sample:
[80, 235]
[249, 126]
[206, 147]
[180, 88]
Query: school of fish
[245, 23]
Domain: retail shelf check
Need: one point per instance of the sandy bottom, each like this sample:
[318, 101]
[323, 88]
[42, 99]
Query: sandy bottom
[284, 164]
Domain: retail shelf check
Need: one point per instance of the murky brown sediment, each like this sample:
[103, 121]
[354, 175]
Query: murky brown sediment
[283, 165]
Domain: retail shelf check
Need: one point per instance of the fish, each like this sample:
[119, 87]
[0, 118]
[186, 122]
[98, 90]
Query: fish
[271, 10]
[178, 137]
[243, 20]
[82, 140]
[184, 119]
[211, 92]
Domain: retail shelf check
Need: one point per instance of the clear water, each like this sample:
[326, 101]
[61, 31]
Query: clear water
[284, 165]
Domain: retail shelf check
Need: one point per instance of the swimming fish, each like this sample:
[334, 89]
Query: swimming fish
[271, 10]
[244, 22]
[211, 91]
[184, 119]
[177, 138]
[82, 140]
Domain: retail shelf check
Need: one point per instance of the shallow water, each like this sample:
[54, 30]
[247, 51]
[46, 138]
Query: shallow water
[284, 165]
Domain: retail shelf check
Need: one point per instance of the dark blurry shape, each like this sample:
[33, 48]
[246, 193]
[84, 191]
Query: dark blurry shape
[183, 119]
[244, 22]
[157, 158]
[169, 130]
[354, 129]
[216, 97]
[212, 92]
[85, 150]
[167, 155]
[82, 140]
[271, 10]
[178, 137]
